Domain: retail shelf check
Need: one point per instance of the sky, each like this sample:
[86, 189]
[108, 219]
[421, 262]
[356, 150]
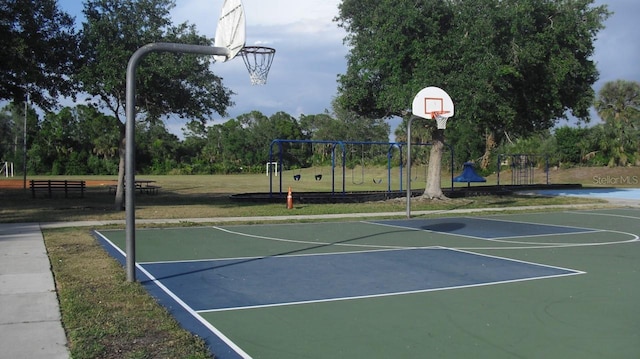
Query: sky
[310, 53]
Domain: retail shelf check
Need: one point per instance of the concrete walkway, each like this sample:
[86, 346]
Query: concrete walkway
[30, 324]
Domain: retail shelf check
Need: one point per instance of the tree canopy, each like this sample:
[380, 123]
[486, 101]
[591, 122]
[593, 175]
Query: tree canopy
[618, 105]
[37, 52]
[511, 66]
[167, 83]
[181, 84]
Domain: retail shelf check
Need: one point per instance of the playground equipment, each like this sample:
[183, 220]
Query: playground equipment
[338, 161]
[7, 169]
[523, 167]
[271, 167]
[469, 175]
[354, 178]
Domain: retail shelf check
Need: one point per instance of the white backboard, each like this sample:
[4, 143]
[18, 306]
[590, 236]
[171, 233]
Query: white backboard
[432, 99]
[231, 32]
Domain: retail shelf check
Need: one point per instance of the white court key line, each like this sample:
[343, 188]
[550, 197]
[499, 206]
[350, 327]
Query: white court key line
[306, 242]
[571, 272]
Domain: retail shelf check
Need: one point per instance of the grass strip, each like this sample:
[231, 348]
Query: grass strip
[105, 316]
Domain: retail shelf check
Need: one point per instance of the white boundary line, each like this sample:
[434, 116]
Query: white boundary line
[529, 245]
[275, 239]
[575, 271]
[496, 239]
[244, 355]
[390, 294]
[387, 294]
[186, 307]
[290, 255]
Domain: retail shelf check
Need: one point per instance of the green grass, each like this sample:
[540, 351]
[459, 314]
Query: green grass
[208, 197]
[106, 317]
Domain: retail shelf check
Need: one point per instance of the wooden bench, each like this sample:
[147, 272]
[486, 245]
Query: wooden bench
[50, 186]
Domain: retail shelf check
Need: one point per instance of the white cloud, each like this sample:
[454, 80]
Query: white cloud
[258, 12]
[310, 53]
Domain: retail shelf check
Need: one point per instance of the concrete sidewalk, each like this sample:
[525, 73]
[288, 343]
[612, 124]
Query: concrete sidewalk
[30, 325]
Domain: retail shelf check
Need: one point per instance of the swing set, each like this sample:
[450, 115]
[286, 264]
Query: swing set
[315, 164]
[363, 162]
[344, 157]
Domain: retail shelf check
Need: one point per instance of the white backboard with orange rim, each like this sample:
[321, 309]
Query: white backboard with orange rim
[433, 103]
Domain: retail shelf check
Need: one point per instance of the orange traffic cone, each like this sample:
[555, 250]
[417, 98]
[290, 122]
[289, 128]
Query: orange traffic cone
[289, 199]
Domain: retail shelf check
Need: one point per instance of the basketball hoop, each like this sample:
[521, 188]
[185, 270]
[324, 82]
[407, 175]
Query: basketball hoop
[258, 60]
[441, 121]
[433, 103]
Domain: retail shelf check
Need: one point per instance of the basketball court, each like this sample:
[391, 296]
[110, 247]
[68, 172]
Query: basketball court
[484, 286]
[536, 285]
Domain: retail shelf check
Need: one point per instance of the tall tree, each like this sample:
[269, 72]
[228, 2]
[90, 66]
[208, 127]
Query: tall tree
[37, 52]
[181, 84]
[12, 125]
[511, 66]
[618, 105]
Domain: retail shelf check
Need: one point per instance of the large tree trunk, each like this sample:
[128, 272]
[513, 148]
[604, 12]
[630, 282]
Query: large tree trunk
[433, 188]
[489, 146]
[119, 202]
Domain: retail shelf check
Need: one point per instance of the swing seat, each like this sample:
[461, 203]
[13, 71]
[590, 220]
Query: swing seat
[377, 180]
[318, 177]
[297, 177]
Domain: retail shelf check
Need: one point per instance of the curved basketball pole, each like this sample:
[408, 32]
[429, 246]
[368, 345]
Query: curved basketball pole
[130, 158]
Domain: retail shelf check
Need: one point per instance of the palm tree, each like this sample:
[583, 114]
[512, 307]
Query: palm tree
[618, 105]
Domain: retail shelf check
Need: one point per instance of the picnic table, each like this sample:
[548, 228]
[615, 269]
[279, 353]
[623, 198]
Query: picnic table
[147, 186]
[142, 186]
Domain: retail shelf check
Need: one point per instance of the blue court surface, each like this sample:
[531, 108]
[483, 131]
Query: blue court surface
[396, 288]
[607, 193]
[233, 284]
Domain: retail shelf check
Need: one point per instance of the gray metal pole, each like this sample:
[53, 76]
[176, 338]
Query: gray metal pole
[409, 167]
[24, 144]
[130, 157]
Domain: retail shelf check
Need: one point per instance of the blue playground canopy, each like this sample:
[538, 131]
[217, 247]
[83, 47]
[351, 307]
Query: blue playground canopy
[469, 174]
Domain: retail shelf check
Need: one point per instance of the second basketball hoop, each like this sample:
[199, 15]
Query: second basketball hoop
[435, 104]
[258, 60]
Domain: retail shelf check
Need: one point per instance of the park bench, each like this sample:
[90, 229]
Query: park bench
[51, 186]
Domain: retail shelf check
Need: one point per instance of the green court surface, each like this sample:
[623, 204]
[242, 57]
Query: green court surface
[535, 285]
